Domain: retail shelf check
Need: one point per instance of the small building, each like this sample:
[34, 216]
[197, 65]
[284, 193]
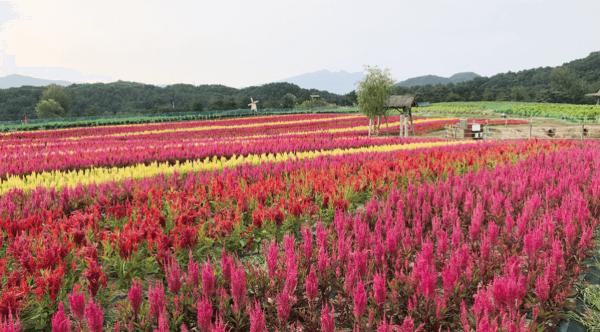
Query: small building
[315, 97]
[597, 95]
[404, 102]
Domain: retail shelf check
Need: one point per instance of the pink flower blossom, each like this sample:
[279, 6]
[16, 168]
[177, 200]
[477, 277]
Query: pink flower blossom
[77, 304]
[156, 297]
[135, 296]
[311, 285]
[327, 320]
[360, 300]
[208, 279]
[60, 322]
[257, 318]
[205, 311]
[379, 289]
[173, 271]
[94, 317]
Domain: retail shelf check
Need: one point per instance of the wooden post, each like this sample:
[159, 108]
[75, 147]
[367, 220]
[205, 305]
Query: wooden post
[530, 124]
[405, 126]
[331, 142]
[401, 125]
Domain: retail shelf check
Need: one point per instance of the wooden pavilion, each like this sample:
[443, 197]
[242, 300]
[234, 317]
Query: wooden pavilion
[597, 95]
[404, 102]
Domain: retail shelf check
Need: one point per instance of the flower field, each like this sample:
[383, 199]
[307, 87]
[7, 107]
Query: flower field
[290, 223]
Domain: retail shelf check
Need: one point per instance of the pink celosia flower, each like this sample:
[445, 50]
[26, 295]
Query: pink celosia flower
[272, 258]
[135, 296]
[327, 320]
[193, 271]
[10, 325]
[307, 238]
[156, 297]
[77, 304]
[283, 307]
[464, 317]
[205, 311]
[312, 285]
[163, 322]
[208, 279]
[173, 271]
[379, 289]
[60, 322]
[117, 327]
[257, 318]
[226, 265]
[360, 300]
[219, 326]
[94, 317]
[238, 286]
[541, 288]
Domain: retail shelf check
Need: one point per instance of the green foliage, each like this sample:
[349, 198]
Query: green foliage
[56, 93]
[271, 103]
[47, 109]
[351, 98]
[196, 105]
[216, 104]
[288, 101]
[92, 111]
[374, 90]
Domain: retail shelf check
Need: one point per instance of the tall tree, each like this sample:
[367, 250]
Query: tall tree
[48, 109]
[56, 93]
[373, 92]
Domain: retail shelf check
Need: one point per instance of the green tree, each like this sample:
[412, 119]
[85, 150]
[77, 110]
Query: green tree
[56, 93]
[373, 92]
[48, 109]
[92, 111]
[488, 95]
[288, 101]
[216, 104]
[501, 96]
[272, 103]
[565, 87]
[196, 105]
[229, 103]
[350, 99]
[243, 103]
[519, 93]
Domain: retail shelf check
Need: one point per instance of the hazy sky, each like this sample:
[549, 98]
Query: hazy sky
[241, 43]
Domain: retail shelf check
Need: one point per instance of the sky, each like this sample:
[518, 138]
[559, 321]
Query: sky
[243, 43]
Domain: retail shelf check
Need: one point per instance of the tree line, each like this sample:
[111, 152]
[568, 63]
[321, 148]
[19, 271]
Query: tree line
[129, 98]
[565, 84]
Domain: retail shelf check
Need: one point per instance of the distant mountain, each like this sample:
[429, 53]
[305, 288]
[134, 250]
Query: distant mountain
[17, 81]
[340, 82]
[433, 79]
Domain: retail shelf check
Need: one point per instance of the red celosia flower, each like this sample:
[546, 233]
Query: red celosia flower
[94, 276]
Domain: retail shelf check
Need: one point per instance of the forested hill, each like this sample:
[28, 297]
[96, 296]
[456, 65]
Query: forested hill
[131, 98]
[565, 84]
[433, 79]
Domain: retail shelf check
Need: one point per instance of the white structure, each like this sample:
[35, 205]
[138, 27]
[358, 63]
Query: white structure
[253, 105]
